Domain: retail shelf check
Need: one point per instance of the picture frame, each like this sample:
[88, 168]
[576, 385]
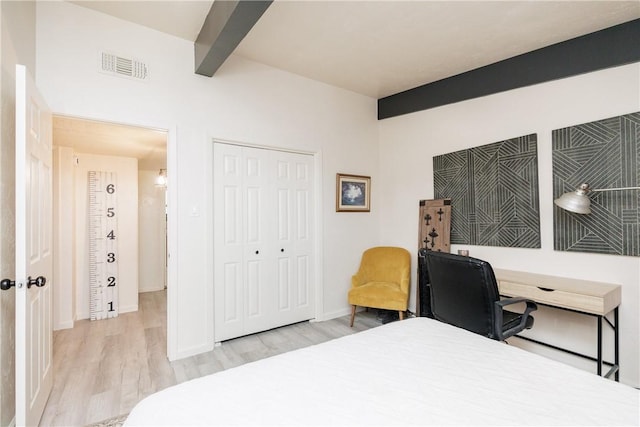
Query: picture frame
[353, 193]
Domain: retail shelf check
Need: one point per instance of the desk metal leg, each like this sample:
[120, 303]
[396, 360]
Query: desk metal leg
[600, 345]
[615, 368]
[616, 334]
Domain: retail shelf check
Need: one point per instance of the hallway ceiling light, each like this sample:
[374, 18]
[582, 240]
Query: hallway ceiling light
[161, 179]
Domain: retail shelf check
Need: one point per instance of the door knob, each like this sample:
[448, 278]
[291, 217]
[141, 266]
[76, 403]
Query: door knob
[39, 281]
[6, 284]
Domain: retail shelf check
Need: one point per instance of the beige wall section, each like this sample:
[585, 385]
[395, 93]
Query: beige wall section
[17, 45]
[126, 170]
[63, 238]
[152, 233]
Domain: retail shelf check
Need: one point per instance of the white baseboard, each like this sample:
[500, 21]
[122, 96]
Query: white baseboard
[154, 289]
[334, 314]
[128, 308]
[68, 324]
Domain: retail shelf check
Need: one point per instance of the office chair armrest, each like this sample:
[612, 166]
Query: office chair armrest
[508, 301]
[499, 307]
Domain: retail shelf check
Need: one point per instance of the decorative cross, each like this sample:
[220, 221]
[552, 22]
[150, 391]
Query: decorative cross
[427, 218]
[440, 212]
[433, 236]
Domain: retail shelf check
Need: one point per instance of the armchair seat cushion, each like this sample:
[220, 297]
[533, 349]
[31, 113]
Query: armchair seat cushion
[386, 295]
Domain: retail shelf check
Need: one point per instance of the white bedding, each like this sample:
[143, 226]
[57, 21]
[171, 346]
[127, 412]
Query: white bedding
[414, 372]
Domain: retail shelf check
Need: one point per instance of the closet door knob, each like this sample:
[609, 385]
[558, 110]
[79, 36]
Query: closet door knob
[281, 250]
[257, 252]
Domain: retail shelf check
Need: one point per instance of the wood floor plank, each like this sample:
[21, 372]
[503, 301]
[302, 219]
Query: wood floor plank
[102, 369]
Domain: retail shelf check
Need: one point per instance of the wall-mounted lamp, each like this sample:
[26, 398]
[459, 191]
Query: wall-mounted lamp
[161, 179]
[578, 201]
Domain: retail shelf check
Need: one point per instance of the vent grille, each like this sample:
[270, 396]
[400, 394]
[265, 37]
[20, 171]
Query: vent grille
[124, 67]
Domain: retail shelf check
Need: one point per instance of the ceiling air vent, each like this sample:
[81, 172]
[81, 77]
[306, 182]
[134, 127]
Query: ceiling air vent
[124, 67]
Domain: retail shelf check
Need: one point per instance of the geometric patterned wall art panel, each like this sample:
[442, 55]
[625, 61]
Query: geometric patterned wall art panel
[494, 193]
[604, 154]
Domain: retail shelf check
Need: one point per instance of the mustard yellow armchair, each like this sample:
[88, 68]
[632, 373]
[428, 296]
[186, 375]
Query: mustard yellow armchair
[382, 281]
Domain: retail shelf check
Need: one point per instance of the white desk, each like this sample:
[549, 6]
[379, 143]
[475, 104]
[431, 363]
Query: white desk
[580, 296]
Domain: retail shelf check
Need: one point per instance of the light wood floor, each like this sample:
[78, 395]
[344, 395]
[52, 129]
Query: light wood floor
[103, 368]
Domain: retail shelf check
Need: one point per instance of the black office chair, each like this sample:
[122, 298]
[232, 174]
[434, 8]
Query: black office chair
[464, 293]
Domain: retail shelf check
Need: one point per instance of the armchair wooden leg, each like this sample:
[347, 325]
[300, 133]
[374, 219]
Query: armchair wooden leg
[401, 315]
[353, 315]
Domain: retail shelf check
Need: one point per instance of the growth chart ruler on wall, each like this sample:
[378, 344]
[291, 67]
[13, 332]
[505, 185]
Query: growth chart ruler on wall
[103, 245]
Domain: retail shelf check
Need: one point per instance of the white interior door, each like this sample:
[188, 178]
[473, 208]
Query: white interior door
[34, 262]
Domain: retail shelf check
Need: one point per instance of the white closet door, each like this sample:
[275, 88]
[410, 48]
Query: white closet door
[258, 249]
[263, 257]
[294, 246]
[228, 241]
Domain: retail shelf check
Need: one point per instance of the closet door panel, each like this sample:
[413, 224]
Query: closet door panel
[303, 235]
[228, 242]
[303, 280]
[258, 222]
[231, 298]
[284, 284]
[253, 302]
[283, 234]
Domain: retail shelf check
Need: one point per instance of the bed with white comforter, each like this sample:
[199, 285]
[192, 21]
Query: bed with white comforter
[414, 372]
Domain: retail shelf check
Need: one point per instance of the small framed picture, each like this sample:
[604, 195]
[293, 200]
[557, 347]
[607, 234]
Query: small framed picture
[353, 193]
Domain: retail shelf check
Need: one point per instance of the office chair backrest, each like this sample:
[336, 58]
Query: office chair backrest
[463, 291]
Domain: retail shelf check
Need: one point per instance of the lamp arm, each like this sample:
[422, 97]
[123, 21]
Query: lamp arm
[615, 189]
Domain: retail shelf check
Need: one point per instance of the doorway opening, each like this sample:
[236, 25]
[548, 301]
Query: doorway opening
[138, 156]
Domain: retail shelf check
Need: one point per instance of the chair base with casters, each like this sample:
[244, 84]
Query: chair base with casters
[464, 293]
[382, 281]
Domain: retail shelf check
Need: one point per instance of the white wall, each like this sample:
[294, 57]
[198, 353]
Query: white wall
[152, 233]
[244, 101]
[408, 143]
[126, 170]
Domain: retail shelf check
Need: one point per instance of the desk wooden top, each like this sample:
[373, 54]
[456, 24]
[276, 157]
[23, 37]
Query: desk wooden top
[576, 294]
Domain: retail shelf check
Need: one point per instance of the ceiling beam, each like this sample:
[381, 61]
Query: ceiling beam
[227, 23]
[611, 47]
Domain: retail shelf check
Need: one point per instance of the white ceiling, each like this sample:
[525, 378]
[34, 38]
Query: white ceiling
[378, 48]
[149, 146]
[182, 18]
